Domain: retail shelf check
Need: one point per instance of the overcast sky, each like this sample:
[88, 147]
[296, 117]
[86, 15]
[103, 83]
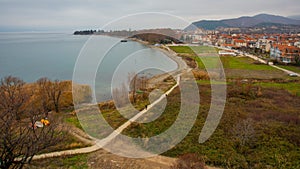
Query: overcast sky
[80, 14]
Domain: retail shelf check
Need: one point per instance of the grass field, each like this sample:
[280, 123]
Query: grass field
[292, 87]
[73, 120]
[70, 162]
[244, 67]
[235, 67]
[204, 49]
[243, 63]
[291, 68]
[182, 49]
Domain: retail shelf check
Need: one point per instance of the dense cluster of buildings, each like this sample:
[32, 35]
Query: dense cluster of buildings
[281, 47]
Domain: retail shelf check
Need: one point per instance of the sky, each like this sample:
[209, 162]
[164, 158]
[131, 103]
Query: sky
[34, 15]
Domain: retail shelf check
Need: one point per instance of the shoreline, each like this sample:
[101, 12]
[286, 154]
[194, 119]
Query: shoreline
[181, 64]
[153, 79]
[156, 79]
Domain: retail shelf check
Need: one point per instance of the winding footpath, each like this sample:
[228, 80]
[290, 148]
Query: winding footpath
[182, 67]
[163, 161]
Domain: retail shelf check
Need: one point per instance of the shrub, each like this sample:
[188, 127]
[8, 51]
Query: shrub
[200, 74]
[189, 161]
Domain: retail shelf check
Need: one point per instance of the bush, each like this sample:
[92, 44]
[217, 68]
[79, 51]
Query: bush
[189, 161]
[200, 74]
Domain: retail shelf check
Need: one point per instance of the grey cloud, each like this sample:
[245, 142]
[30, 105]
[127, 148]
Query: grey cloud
[73, 14]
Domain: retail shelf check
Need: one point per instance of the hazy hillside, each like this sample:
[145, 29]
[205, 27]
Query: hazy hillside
[246, 21]
[294, 17]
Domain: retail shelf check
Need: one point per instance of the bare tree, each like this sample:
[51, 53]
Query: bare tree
[137, 82]
[42, 94]
[56, 90]
[13, 96]
[51, 92]
[132, 80]
[20, 139]
[120, 96]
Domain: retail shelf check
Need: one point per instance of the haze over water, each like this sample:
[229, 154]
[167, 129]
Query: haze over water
[31, 56]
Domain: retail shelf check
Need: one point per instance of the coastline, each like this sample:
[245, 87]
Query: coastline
[181, 65]
[159, 78]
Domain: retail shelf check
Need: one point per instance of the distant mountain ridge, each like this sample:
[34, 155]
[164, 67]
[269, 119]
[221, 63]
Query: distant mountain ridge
[297, 17]
[245, 21]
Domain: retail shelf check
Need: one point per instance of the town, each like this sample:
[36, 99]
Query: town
[272, 46]
[283, 48]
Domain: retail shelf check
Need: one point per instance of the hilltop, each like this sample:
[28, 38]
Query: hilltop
[246, 22]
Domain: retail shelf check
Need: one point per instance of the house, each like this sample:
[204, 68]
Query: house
[229, 46]
[297, 44]
[284, 53]
[251, 44]
[264, 44]
[227, 53]
[239, 43]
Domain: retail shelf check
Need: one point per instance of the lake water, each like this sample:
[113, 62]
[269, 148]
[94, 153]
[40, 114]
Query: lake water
[31, 56]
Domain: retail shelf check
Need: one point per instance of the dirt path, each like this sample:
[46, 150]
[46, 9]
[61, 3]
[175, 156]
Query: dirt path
[159, 160]
[96, 147]
[101, 158]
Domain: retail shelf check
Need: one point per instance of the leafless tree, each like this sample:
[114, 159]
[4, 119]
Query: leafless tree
[137, 82]
[132, 80]
[120, 96]
[51, 92]
[20, 139]
[42, 94]
[13, 95]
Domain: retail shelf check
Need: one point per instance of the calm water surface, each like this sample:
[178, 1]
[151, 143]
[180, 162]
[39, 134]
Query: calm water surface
[31, 56]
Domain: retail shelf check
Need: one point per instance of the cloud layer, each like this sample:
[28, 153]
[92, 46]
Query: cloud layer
[80, 14]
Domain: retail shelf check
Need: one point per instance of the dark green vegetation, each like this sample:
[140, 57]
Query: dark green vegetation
[156, 38]
[260, 125]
